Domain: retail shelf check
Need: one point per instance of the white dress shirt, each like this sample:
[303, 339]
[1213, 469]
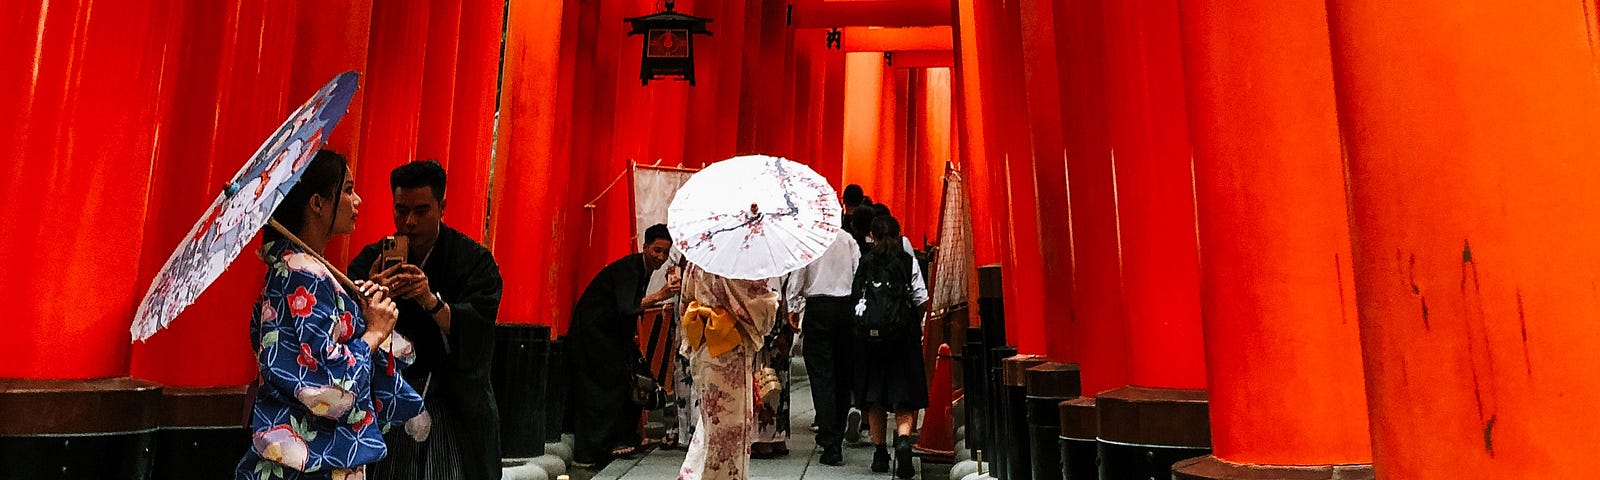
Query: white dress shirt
[919, 288]
[830, 275]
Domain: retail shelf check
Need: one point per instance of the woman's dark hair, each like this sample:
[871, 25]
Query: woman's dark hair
[881, 209]
[324, 175]
[886, 230]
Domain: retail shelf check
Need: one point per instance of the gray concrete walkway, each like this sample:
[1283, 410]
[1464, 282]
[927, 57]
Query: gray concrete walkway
[801, 462]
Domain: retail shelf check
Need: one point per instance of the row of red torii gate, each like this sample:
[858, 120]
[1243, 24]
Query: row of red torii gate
[1356, 232]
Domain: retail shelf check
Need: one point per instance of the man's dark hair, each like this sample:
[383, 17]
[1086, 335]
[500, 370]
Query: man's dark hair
[324, 175]
[852, 195]
[657, 232]
[418, 174]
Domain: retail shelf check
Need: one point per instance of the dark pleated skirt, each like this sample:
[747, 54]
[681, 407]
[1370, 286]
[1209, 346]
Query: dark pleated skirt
[890, 375]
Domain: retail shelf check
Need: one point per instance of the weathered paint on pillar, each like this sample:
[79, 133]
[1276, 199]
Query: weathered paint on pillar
[530, 177]
[1470, 136]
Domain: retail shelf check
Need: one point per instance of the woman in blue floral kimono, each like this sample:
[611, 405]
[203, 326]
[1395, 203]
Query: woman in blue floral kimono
[328, 389]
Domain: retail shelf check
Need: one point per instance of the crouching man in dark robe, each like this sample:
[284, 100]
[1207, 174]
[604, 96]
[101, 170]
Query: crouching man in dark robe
[604, 355]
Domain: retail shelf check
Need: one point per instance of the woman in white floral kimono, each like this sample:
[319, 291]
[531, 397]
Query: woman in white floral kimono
[725, 322]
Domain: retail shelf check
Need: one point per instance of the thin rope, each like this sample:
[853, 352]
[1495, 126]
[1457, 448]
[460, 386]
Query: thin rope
[591, 204]
[602, 194]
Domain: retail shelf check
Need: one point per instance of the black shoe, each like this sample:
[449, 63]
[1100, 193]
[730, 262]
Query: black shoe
[880, 459]
[832, 457]
[902, 457]
[761, 451]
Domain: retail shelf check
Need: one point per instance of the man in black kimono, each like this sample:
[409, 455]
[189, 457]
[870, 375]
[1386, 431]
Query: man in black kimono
[451, 286]
[604, 354]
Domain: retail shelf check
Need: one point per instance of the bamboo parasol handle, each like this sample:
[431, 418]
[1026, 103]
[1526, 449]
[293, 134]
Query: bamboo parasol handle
[343, 279]
[337, 274]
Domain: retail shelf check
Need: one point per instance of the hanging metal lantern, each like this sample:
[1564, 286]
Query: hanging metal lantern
[668, 44]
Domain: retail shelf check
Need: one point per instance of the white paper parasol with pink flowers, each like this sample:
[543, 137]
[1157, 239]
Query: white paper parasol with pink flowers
[754, 217]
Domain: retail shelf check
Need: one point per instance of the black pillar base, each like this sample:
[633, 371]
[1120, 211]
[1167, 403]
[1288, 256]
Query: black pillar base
[1048, 385]
[975, 397]
[78, 429]
[1001, 445]
[521, 353]
[1212, 468]
[186, 453]
[202, 432]
[1015, 448]
[1143, 431]
[1080, 459]
[1142, 462]
[87, 457]
[555, 399]
[992, 326]
[1080, 452]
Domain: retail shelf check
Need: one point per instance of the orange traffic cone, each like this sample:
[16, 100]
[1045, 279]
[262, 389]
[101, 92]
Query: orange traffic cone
[937, 443]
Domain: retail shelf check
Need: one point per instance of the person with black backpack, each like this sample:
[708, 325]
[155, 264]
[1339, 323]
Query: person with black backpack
[888, 320]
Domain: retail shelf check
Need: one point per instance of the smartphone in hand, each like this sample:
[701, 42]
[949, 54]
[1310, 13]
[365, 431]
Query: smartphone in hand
[394, 251]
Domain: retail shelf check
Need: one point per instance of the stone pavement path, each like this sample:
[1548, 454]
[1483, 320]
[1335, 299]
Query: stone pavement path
[801, 463]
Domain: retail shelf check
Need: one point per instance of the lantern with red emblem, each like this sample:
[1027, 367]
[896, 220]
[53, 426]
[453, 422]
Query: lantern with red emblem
[668, 44]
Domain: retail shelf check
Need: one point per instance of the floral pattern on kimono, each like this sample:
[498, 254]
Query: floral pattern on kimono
[720, 449]
[772, 421]
[325, 399]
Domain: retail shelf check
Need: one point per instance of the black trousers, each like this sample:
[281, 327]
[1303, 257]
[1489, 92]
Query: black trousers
[829, 353]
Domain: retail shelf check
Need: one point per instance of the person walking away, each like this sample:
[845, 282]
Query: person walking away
[820, 300]
[890, 373]
[723, 327]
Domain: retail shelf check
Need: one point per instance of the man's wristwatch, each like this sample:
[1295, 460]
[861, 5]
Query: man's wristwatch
[438, 305]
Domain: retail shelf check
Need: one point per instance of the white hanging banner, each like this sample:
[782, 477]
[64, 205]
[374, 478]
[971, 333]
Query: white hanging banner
[653, 189]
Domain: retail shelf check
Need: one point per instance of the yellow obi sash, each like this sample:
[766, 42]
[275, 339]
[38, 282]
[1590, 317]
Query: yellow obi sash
[714, 326]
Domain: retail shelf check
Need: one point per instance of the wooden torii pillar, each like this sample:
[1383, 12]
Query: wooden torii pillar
[1278, 291]
[1160, 265]
[1470, 135]
[1097, 264]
